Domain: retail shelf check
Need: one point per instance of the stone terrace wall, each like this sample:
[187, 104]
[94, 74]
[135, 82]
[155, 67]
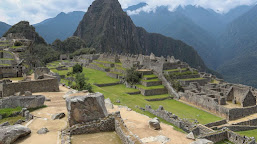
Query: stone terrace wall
[153, 91]
[171, 118]
[237, 128]
[226, 134]
[237, 113]
[206, 103]
[217, 123]
[102, 125]
[252, 122]
[44, 85]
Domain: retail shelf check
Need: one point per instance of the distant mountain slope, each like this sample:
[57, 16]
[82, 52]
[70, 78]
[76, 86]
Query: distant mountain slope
[107, 28]
[3, 28]
[60, 27]
[177, 25]
[240, 49]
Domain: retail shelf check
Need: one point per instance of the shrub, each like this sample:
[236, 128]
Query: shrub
[82, 83]
[18, 43]
[77, 69]
[133, 76]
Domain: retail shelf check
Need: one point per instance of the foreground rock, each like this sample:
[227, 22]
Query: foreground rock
[9, 134]
[5, 124]
[22, 101]
[155, 124]
[202, 141]
[82, 109]
[43, 131]
[190, 136]
[58, 116]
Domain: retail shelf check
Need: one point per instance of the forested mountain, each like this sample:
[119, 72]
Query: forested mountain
[60, 27]
[3, 28]
[108, 28]
[239, 49]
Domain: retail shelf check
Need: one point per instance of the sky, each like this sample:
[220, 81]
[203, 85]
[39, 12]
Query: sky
[35, 11]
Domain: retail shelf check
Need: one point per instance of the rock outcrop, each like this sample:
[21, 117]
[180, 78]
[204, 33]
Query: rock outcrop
[82, 109]
[9, 134]
[58, 116]
[22, 101]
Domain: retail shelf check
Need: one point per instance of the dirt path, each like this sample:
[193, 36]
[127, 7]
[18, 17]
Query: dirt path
[43, 119]
[138, 124]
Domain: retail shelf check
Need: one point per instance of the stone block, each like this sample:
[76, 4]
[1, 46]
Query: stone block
[9, 134]
[82, 109]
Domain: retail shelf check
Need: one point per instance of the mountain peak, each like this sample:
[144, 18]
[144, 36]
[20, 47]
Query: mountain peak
[107, 28]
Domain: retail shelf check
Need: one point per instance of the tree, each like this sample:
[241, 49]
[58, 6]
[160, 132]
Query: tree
[77, 69]
[133, 76]
[82, 83]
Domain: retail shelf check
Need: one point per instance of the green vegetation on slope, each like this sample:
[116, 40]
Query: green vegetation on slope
[119, 92]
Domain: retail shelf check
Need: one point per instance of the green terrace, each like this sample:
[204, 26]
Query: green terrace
[14, 47]
[100, 65]
[5, 65]
[6, 59]
[174, 70]
[133, 101]
[150, 76]
[191, 79]
[6, 52]
[151, 80]
[150, 88]
[107, 62]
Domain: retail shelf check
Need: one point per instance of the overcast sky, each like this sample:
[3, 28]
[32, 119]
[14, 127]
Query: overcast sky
[34, 11]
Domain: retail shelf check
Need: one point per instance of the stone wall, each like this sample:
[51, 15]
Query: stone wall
[237, 113]
[152, 83]
[107, 84]
[151, 92]
[205, 102]
[10, 71]
[44, 85]
[113, 75]
[226, 134]
[252, 122]
[201, 82]
[217, 123]
[237, 128]
[22, 101]
[106, 124]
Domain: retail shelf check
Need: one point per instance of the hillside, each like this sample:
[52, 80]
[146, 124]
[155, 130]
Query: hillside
[178, 26]
[27, 31]
[60, 27]
[107, 28]
[239, 49]
[3, 28]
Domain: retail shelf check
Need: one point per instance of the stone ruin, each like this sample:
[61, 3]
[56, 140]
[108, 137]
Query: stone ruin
[87, 114]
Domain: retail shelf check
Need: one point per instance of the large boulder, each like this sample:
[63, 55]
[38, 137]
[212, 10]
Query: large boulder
[22, 101]
[86, 108]
[9, 134]
[155, 124]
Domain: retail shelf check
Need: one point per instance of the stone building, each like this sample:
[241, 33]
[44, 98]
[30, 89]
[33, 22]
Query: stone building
[242, 96]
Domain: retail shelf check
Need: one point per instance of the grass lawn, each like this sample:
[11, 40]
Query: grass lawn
[119, 92]
[178, 108]
[149, 76]
[250, 133]
[191, 79]
[8, 111]
[6, 59]
[151, 87]
[224, 142]
[14, 79]
[174, 70]
[12, 120]
[5, 65]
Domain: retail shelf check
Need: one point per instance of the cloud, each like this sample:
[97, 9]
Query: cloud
[220, 6]
[35, 11]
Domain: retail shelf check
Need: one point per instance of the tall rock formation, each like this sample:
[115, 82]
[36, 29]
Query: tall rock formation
[108, 28]
[27, 31]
